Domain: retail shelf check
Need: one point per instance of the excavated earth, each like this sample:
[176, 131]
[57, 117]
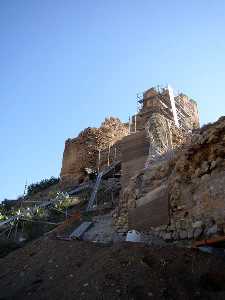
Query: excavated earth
[53, 269]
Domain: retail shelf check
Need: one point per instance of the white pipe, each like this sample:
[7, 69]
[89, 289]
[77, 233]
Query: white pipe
[129, 126]
[174, 110]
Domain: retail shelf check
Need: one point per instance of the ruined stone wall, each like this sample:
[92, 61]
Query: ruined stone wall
[150, 185]
[134, 153]
[83, 152]
[158, 101]
[140, 152]
[189, 106]
[196, 186]
[181, 197]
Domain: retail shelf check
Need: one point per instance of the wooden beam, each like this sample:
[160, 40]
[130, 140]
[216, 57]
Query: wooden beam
[208, 241]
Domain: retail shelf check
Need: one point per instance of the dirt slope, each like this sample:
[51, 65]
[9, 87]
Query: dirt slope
[53, 269]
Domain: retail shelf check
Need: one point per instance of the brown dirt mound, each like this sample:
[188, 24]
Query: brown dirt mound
[53, 269]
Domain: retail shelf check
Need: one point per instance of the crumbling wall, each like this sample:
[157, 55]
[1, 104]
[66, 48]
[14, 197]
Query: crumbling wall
[191, 184]
[150, 185]
[189, 106]
[196, 186]
[83, 152]
[162, 138]
[158, 101]
[134, 152]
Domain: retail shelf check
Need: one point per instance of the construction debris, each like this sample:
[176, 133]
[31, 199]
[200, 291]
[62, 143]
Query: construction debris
[78, 232]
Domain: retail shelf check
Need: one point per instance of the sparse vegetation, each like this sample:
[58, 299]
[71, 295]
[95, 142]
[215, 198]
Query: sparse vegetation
[64, 201]
[3, 215]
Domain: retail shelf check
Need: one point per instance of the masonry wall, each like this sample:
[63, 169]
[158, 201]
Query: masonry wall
[156, 101]
[83, 152]
[134, 153]
[181, 197]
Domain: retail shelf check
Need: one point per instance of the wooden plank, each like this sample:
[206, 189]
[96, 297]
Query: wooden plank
[208, 241]
[80, 230]
[63, 238]
[39, 221]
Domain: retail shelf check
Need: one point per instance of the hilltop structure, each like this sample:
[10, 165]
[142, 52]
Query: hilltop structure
[160, 114]
[179, 109]
[156, 179]
[159, 172]
[166, 167]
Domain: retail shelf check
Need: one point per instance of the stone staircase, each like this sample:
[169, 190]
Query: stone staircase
[134, 148]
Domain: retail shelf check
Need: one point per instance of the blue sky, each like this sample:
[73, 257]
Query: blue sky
[65, 65]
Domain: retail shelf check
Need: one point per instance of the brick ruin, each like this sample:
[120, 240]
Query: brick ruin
[172, 173]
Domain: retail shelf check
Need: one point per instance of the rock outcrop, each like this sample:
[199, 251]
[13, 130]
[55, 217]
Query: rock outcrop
[197, 184]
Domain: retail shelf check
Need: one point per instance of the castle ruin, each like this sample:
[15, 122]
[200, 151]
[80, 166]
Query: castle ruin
[95, 148]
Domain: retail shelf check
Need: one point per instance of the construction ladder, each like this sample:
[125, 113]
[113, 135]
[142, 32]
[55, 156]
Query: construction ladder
[97, 184]
[95, 190]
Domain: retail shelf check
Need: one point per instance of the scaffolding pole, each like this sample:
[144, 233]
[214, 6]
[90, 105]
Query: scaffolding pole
[174, 110]
[129, 125]
[99, 159]
[135, 122]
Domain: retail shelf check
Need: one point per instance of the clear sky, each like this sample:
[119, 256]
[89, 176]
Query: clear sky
[66, 64]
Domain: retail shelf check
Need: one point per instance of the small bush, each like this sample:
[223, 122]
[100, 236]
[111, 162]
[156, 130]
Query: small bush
[40, 186]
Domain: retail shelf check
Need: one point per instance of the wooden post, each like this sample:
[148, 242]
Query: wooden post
[108, 155]
[16, 228]
[11, 227]
[135, 122]
[112, 198]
